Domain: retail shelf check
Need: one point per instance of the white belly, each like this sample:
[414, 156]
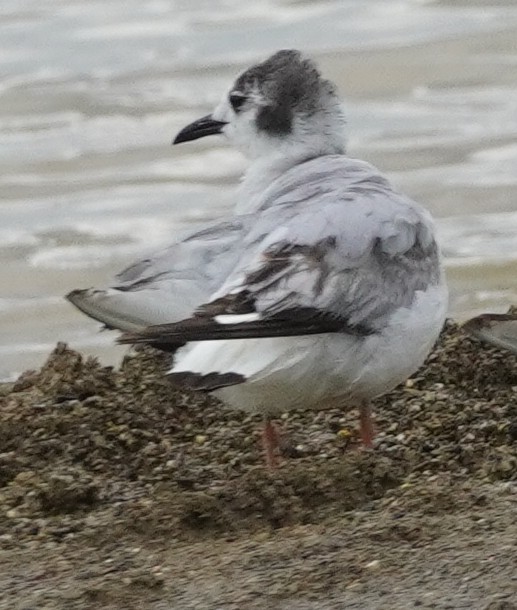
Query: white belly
[320, 371]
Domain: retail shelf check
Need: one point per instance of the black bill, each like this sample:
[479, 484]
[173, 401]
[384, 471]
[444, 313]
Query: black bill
[205, 126]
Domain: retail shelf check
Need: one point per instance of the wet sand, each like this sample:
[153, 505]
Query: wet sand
[118, 492]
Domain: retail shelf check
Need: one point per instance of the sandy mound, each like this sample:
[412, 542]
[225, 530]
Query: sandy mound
[116, 491]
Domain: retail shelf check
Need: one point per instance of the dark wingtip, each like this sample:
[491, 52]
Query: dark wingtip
[499, 330]
[486, 320]
[74, 294]
[129, 338]
[474, 325]
[189, 380]
[132, 338]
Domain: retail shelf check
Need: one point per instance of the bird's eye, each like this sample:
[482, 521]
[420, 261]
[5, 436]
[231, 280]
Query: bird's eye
[237, 100]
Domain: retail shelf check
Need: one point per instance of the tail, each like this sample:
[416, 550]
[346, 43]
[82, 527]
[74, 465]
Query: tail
[131, 312]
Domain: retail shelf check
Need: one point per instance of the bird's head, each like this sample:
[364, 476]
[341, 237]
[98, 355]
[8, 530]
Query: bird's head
[280, 106]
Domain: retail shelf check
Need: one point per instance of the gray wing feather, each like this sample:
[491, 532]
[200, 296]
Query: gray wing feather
[198, 257]
[337, 244]
[359, 250]
[169, 285]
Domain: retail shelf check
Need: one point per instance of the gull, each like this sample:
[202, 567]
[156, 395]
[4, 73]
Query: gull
[324, 289]
[498, 329]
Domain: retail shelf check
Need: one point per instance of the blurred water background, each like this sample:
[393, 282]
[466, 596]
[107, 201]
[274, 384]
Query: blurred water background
[91, 94]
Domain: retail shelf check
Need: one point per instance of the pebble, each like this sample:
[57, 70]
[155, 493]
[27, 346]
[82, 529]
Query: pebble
[134, 440]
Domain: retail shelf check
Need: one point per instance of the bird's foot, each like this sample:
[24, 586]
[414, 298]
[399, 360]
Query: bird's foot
[271, 444]
[367, 429]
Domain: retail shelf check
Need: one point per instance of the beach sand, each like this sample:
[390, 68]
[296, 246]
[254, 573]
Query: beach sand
[119, 492]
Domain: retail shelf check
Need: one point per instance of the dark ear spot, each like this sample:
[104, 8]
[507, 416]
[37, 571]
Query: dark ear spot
[275, 120]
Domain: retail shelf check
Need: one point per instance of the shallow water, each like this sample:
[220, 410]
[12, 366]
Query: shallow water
[91, 95]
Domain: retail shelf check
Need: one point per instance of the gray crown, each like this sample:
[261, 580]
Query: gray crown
[288, 84]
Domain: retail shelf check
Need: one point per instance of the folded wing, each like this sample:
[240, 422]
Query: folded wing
[341, 266]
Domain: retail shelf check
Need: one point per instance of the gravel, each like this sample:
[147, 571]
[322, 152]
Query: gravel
[118, 491]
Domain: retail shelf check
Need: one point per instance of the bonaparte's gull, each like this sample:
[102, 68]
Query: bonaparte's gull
[499, 329]
[324, 289]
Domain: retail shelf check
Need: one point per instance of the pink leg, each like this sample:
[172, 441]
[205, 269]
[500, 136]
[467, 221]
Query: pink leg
[270, 442]
[367, 429]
